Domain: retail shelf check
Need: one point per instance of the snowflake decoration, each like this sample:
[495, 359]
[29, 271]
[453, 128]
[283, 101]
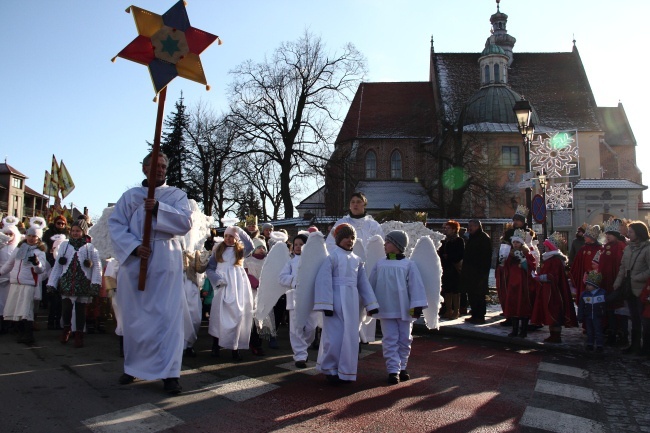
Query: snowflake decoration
[555, 155]
[559, 196]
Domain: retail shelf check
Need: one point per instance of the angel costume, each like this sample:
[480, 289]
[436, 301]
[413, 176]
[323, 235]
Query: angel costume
[340, 284]
[194, 265]
[231, 314]
[398, 286]
[25, 278]
[300, 338]
[366, 227]
[152, 319]
[7, 246]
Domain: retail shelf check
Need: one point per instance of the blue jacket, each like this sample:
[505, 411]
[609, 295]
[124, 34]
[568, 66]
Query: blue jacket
[592, 304]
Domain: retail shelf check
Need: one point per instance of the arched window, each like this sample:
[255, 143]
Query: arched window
[396, 165]
[496, 73]
[371, 165]
[487, 74]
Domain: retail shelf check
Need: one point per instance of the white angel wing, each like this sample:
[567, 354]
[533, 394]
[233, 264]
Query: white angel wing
[314, 253]
[270, 290]
[426, 258]
[374, 252]
[359, 250]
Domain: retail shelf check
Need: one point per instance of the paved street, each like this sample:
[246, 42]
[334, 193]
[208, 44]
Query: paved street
[458, 385]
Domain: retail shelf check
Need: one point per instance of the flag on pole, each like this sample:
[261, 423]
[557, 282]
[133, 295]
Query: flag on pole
[49, 189]
[66, 185]
[54, 173]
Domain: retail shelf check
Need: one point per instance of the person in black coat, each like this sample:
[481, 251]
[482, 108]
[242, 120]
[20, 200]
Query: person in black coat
[451, 257]
[475, 272]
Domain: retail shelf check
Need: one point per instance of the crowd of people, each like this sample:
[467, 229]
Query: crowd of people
[158, 317]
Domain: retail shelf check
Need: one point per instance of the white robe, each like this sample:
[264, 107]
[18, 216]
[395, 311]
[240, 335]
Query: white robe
[5, 253]
[399, 288]
[152, 320]
[231, 313]
[191, 312]
[366, 228]
[340, 285]
[25, 279]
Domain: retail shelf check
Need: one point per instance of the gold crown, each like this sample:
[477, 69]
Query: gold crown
[520, 234]
[421, 216]
[522, 210]
[594, 278]
[556, 239]
[612, 225]
[593, 231]
[251, 220]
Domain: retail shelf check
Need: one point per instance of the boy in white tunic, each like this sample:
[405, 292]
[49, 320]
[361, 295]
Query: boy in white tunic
[400, 293]
[341, 288]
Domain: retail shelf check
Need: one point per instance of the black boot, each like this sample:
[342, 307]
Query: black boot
[121, 347]
[523, 332]
[20, 328]
[515, 326]
[236, 356]
[3, 325]
[635, 346]
[28, 332]
[215, 347]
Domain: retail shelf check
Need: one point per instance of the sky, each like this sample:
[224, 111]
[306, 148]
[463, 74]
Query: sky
[63, 96]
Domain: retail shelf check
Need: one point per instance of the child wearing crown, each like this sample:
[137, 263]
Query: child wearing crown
[591, 310]
[553, 305]
[518, 283]
[582, 262]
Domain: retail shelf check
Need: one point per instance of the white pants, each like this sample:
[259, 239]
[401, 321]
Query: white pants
[396, 343]
[301, 338]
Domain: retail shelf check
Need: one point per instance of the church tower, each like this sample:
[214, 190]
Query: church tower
[500, 36]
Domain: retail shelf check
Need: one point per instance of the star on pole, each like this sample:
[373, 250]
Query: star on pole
[168, 45]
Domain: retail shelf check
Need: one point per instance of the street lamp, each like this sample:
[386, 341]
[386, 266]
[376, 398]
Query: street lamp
[543, 181]
[524, 112]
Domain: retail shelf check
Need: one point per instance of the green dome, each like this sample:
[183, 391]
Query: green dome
[493, 49]
[493, 104]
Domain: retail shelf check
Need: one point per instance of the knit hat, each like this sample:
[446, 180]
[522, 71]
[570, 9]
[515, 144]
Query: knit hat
[232, 230]
[518, 235]
[82, 224]
[62, 218]
[521, 213]
[257, 243]
[266, 226]
[10, 220]
[36, 226]
[398, 238]
[594, 278]
[343, 231]
[554, 242]
[593, 232]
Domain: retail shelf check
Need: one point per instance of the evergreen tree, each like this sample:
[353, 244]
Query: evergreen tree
[249, 205]
[173, 145]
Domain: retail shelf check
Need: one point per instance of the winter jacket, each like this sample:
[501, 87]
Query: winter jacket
[21, 270]
[592, 304]
[637, 253]
[477, 261]
[76, 272]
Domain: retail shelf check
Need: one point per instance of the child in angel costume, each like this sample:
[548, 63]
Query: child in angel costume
[401, 296]
[341, 287]
[9, 239]
[300, 337]
[77, 275]
[26, 267]
[231, 314]
[266, 328]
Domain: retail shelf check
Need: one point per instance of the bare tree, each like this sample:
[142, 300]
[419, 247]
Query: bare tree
[286, 107]
[212, 167]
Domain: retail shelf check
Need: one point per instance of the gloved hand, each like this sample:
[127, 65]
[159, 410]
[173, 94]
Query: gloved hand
[374, 311]
[33, 260]
[417, 312]
[328, 313]
[50, 289]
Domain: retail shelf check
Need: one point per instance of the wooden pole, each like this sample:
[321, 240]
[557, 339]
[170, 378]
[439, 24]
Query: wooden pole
[151, 180]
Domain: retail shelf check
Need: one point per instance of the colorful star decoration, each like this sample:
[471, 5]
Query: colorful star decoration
[168, 45]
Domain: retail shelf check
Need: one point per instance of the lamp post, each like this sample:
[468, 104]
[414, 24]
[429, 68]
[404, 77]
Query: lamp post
[524, 112]
[542, 183]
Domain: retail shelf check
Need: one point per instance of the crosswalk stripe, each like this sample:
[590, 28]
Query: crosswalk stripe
[559, 422]
[563, 369]
[241, 388]
[145, 418]
[567, 390]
